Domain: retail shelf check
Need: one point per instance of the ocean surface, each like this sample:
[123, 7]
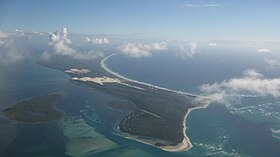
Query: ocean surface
[246, 128]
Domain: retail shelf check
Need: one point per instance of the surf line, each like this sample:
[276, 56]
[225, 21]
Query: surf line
[104, 66]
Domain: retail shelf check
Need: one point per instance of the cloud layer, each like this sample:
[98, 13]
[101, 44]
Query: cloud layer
[251, 82]
[138, 50]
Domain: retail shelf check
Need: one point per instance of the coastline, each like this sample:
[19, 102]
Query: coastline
[104, 66]
[182, 146]
[186, 143]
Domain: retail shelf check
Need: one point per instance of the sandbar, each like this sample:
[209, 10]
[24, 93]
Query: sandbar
[77, 71]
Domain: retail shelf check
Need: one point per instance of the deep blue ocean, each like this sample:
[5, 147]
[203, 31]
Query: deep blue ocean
[248, 128]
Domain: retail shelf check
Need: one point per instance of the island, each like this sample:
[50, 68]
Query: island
[158, 116]
[36, 110]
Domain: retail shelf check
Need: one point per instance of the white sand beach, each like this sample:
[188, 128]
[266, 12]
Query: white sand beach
[98, 80]
[77, 71]
[104, 79]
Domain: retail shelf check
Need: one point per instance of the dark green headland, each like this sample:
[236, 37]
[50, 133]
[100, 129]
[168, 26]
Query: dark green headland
[35, 110]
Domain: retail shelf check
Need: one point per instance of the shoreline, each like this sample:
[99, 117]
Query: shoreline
[182, 146]
[185, 145]
[104, 66]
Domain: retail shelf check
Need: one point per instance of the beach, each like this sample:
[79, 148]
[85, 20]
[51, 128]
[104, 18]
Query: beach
[104, 66]
[182, 146]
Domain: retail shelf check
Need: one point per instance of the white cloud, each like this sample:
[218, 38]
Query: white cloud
[138, 50]
[10, 50]
[265, 50]
[37, 33]
[251, 73]
[213, 44]
[272, 64]
[62, 46]
[61, 43]
[3, 37]
[251, 82]
[98, 40]
[63, 36]
[186, 51]
[201, 5]
[11, 55]
[54, 37]
[193, 48]
[89, 55]
[46, 55]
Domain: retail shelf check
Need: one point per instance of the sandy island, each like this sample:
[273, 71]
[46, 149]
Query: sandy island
[102, 80]
[98, 80]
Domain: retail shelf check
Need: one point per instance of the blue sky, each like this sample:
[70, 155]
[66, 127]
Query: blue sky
[166, 19]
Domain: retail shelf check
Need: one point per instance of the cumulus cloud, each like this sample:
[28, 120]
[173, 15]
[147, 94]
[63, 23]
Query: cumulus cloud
[138, 50]
[201, 5]
[186, 51]
[272, 64]
[62, 46]
[251, 82]
[265, 50]
[98, 40]
[61, 43]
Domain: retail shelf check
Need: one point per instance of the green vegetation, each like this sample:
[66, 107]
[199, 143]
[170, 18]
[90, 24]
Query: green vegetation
[35, 110]
[156, 113]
